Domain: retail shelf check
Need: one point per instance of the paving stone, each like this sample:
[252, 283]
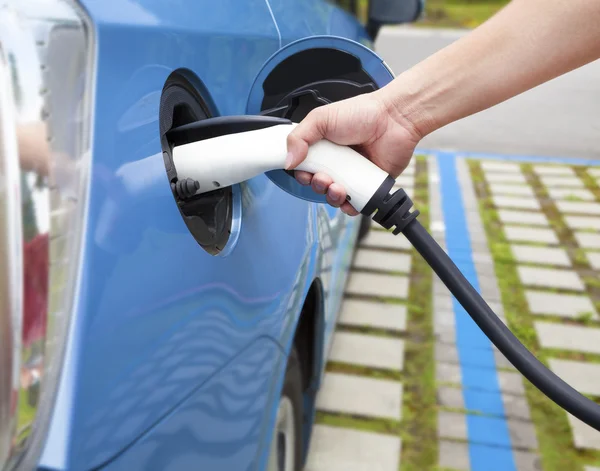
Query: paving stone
[530, 234]
[584, 436]
[553, 170]
[527, 461]
[591, 468]
[582, 222]
[368, 350]
[568, 337]
[405, 180]
[492, 166]
[385, 240]
[516, 407]
[578, 207]
[528, 218]
[448, 373]
[372, 284]
[594, 259]
[342, 449]
[386, 316]
[452, 425]
[522, 434]
[564, 305]
[513, 190]
[515, 202]
[382, 261]
[369, 397]
[550, 278]
[594, 172]
[571, 194]
[561, 182]
[511, 382]
[453, 455]
[501, 360]
[587, 240]
[541, 255]
[446, 353]
[584, 377]
[450, 397]
[505, 178]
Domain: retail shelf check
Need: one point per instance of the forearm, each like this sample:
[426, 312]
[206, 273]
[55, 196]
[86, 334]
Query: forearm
[527, 43]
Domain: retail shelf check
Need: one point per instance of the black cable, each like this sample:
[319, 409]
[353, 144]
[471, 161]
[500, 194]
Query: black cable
[393, 210]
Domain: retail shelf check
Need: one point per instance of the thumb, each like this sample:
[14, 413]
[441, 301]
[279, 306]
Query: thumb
[310, 130]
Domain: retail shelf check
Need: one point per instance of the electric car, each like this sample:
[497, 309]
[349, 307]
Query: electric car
[140, 329]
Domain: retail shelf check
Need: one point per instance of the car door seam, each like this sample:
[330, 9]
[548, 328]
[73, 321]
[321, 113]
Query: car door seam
[274, 21]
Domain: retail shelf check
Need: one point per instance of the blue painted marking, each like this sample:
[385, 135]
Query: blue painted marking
[469, 336]
[515, 158]
[491, 458]
[485, 403]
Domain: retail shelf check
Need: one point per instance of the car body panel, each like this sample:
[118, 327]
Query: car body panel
[161, 326]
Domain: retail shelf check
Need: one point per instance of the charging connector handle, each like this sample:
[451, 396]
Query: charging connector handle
[523, 360]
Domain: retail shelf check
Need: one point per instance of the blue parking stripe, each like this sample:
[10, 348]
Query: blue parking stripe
[483, 377]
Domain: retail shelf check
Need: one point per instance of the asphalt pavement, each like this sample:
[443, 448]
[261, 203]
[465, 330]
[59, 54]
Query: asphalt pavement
[560, 118]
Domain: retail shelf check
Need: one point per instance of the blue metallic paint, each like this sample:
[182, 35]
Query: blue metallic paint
[171, 349]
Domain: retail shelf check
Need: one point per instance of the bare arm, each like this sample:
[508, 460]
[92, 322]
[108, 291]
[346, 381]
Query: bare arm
[525, 44]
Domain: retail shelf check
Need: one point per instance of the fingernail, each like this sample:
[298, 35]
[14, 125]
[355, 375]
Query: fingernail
[303, 179]
[319, 186]
[289, 160]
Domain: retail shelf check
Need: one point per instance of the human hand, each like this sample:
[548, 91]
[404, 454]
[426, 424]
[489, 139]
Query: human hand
[366, 124]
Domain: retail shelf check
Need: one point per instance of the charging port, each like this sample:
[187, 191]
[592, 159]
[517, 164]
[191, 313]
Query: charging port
[208, 216]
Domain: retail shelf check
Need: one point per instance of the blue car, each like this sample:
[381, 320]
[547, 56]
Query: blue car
[141, 330]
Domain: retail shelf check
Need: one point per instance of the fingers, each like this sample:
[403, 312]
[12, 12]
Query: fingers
[349, 209]
[304, 178]
[320, 183]
[310, 130]
[336, 195]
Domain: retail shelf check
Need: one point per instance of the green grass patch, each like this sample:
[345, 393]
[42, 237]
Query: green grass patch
[553, 431]
[459, 13]
[419, 411]
[358, 423]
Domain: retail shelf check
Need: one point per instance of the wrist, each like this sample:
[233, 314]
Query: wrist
[406, 103]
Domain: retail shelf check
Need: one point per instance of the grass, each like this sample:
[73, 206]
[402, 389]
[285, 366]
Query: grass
[553, 430]
[459, 13]
[418, 428]
[419, 412]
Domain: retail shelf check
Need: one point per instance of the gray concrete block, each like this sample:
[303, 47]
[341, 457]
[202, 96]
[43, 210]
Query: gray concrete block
[446, 353]
[494, 166]
[516, 407]
[591, 468]
[522, 434]
[594, 172]
[448, 373]
[554, 170]
[358, 395]
[572, 194]
[568, 337]
[582, 222]
[501, 360]
[373, 314]
[527, 461]
[550, 278]
[564, 305]
[451, 398]
[505, 178]
[578, 207]
[583, 376]
[385, 240]
[382, 261]
[368, 350]
[584, 436]
[372, 284]
[527, 218]
[342, 449]
[587, 240]
[453, 455]
[511, 190]
[561, 182]
[517, 202]
[594, 259]
[511, 383]
[530, 234]
[541, 255]
[452, 425]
